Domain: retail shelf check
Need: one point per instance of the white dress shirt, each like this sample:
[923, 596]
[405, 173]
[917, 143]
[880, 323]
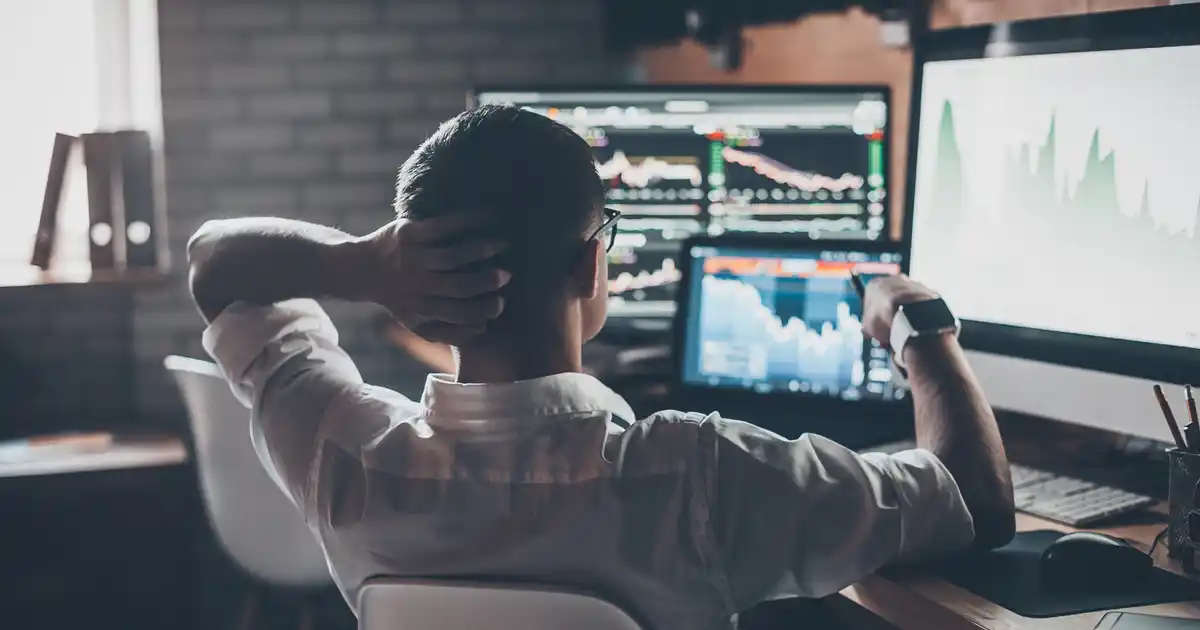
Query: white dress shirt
[685, 519]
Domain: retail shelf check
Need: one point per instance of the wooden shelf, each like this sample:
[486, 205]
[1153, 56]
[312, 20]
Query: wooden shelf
[29, 276]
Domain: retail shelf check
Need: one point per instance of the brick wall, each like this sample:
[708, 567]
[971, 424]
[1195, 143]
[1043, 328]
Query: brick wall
[64, 359]
[304, 109]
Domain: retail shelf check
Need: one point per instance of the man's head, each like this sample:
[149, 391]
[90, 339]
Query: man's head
[537, 180]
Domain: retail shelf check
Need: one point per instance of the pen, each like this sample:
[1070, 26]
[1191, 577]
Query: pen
[859, 287]
[1191, 433]
[1171, 424]
[1191, 404]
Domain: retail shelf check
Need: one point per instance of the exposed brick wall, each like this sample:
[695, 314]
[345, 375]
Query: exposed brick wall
[64, 359]
[304, 109]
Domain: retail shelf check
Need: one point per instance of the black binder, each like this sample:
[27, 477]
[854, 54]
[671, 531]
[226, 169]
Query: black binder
[107, 243]
[141, 218]
[43, 245]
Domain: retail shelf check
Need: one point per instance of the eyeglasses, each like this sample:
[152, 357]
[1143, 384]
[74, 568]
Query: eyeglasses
[610, 226]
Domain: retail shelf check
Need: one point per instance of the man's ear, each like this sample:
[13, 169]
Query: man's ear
[586, 279]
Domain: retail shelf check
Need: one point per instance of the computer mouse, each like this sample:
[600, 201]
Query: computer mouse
[1093, 561]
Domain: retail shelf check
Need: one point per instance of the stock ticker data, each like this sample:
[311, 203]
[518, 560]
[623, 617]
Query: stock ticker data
[679, 164]
[1065, 156]
[784, 322]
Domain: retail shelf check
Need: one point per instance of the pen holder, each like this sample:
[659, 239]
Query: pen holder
[1183, 498]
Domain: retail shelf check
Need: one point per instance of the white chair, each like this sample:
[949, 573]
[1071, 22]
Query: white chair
[401, 604]
[257, 526]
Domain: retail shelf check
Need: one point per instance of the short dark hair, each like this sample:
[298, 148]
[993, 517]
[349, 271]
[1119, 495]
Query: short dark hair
[536, 176]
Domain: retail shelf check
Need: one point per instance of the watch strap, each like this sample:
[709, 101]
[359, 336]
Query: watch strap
[903, 331]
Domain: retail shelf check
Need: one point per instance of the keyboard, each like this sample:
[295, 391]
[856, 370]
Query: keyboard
[1054, 497]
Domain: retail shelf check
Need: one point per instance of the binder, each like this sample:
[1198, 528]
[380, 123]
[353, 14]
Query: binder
[107, 244]
[43, 245]
[140, 219]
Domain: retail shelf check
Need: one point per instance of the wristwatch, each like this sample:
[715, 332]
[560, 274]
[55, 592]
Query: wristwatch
[920, 319]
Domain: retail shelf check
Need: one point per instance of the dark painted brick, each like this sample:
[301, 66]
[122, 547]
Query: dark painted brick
[193, 108]
[423, 72]
[374, 44]
[304, 46]
[290, 165]
[371, 162]
[443, 105]
[179, 18]
[207, 46]
[191, 168]
[450, 42]
[340, 134]
[376, 192]
[426, 12]
[254, 137]
[261, 199]
[248, 16]
[338, 14]
[413, 132]
[496, 71]
[291, 105]
[378, 102]
[519, 12]
[336, 74]
[184, 79]
[257, 77]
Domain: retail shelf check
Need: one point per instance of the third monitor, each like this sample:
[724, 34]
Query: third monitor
[681, 161]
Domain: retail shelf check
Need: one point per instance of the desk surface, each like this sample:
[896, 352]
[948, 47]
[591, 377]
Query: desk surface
[122, 455]
[924, 602]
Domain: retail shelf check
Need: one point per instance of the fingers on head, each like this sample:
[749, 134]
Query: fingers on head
[471, 284]
[470, 311]
[462, 254]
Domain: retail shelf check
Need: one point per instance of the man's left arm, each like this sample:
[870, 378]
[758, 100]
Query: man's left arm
[262, 261]
[280, 352]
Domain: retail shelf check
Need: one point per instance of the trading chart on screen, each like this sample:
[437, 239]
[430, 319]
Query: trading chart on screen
[675, 165]
[788, 323]
[1066, 179]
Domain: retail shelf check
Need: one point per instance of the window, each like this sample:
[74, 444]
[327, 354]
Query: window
[69, 66]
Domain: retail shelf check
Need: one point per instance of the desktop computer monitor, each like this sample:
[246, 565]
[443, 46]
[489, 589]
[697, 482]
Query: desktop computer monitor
[1054, 203]
[680, 161]
[782, 318]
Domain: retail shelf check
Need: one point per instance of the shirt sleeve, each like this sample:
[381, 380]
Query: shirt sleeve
[284, 363]
[809, 517]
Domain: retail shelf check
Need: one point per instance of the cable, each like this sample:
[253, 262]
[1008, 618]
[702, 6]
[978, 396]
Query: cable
[1157, 539]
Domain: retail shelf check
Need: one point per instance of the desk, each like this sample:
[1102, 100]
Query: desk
[123, 455]
[923, 602]
[100, 540]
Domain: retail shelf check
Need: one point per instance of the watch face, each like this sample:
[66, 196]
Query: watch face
[929, 315]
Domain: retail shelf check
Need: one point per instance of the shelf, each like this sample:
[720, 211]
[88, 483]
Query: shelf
[29, 276]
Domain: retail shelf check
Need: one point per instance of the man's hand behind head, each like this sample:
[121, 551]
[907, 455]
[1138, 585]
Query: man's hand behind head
[439, 276]
[884, 297]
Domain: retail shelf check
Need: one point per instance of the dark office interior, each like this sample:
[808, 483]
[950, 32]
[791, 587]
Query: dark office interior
[132, 123]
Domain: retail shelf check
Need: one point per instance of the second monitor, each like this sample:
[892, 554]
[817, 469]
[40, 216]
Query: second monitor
[680, 161]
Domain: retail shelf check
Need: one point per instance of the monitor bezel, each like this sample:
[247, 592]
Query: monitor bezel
[697, 88]
[816, 403]
[1159, 27]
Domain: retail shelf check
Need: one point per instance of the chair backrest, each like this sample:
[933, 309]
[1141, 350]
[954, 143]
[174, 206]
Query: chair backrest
[403, 604]
[256, 524]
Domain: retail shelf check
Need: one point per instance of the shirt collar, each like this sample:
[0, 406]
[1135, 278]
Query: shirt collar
[447, 401]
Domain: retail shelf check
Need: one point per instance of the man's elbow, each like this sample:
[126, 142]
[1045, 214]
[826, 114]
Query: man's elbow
[995, 525]
[201, 276]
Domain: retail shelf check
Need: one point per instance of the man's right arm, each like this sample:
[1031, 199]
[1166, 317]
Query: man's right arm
[955, 422]
[953, 418]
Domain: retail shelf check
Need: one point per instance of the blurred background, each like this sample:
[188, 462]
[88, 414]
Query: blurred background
[205, 109]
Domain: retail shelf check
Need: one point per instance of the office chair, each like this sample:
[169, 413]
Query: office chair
[402, 604]
[256, 525]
